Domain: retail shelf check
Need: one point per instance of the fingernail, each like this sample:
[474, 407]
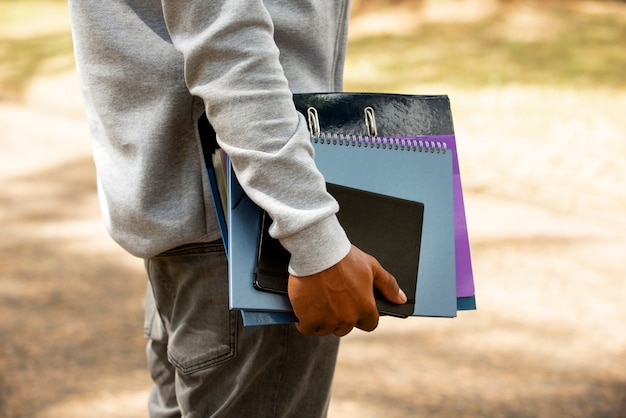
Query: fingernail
[402, 296]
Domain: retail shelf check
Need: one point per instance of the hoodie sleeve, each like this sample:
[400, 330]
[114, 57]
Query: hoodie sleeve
[232, 63]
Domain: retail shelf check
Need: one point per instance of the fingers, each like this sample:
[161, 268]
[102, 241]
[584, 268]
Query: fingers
[341, 298]
[388, 286]
[368, 324]
[338, 331]
[339, 325]
[367, 321]
[304, 329]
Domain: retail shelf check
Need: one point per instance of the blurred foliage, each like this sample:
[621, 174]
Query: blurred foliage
[23, 59]
[570, 46]
[564, 46]
[35, 39]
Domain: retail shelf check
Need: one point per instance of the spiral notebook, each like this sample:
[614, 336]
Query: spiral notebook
[388, 228]
[422, 124]
[414, 169]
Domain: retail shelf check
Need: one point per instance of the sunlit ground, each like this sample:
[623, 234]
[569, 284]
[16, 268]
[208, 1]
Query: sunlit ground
[537, 91]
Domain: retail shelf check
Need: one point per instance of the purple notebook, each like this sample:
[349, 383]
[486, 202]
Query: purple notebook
[464, 274]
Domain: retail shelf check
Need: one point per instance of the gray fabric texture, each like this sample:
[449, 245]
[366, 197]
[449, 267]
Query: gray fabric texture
[204, 363]
[149, 68]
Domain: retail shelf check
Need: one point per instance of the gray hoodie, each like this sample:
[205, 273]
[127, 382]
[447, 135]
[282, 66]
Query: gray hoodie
[149, 68]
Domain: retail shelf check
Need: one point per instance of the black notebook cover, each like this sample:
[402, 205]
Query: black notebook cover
[386, 227]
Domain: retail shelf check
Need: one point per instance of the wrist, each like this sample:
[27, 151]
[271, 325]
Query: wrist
[317, 248]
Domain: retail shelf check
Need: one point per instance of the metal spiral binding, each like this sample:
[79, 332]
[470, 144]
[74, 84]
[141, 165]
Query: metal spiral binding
[372, 140]
[391, 143]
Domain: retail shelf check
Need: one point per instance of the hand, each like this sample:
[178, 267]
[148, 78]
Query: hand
[342, 297]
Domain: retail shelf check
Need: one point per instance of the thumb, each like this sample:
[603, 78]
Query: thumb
[388, 286]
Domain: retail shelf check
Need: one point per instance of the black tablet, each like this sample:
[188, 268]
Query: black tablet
[388, 228]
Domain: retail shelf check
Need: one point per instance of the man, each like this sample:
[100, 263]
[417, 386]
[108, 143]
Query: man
[148, 70]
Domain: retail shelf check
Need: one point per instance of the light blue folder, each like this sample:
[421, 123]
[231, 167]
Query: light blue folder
[243, 235]
[396, 170]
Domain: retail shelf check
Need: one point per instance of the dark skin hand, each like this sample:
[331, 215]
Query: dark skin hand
[336, 300]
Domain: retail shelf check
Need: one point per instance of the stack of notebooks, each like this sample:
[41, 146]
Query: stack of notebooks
[400, 199]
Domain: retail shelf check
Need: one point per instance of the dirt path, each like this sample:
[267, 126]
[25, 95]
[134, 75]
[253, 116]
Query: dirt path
[546, 214]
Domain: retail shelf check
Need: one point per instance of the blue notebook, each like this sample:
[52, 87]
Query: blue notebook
[411, 169]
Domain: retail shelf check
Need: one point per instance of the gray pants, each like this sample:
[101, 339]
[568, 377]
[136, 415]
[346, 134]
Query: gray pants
[204, 363]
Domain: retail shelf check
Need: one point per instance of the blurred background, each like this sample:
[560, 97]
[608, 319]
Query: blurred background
[538, 93]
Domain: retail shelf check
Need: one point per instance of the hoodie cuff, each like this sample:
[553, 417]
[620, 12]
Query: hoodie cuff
[317, 248]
